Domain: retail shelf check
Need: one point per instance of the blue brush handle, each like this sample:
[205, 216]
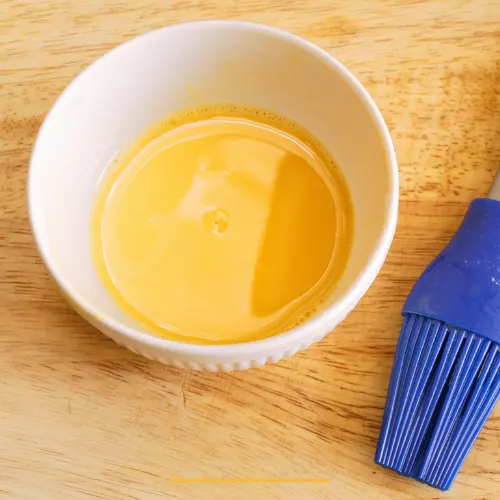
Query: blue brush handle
[462, 285]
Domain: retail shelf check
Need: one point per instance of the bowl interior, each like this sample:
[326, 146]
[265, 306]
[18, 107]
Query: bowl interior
[149, 77]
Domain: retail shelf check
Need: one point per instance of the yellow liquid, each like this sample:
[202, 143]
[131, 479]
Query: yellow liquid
[222, 225]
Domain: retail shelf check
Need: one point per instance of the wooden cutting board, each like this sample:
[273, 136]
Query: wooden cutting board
[82, 418]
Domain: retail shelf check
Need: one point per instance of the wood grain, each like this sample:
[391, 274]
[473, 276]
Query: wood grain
[82, 418]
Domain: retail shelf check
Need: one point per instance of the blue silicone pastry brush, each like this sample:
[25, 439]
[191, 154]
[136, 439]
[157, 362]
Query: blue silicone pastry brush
[446, 374]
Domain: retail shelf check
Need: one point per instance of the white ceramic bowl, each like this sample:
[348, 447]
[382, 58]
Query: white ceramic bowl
[193, 64]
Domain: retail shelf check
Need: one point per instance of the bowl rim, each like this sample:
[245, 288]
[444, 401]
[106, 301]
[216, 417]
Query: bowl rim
[300, 333]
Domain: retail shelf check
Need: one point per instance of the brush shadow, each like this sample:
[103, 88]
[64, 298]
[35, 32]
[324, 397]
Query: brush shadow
[299, 238]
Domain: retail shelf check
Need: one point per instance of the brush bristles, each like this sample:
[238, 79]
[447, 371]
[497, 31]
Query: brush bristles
[444, 384]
